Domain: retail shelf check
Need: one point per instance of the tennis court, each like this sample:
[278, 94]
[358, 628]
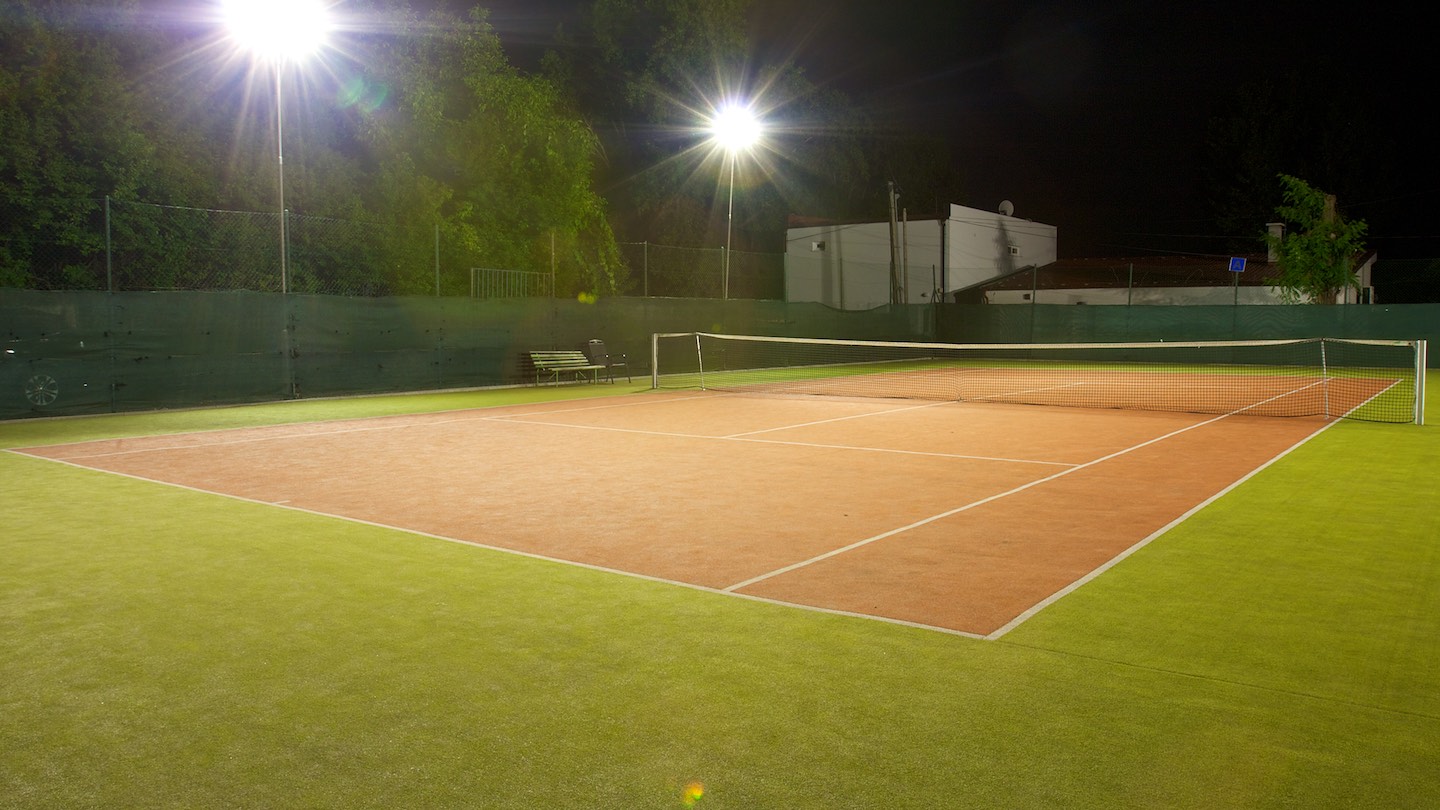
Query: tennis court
[959, 516]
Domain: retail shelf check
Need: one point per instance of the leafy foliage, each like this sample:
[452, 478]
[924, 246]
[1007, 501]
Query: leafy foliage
[66, 128]
[494, 155]
[437, 131]
[1316, 255]
[422, 127]
[1293, 123]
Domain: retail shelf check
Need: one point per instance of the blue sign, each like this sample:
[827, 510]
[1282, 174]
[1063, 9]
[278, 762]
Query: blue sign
[1237, 265]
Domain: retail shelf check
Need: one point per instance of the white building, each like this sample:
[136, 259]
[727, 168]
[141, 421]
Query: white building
[848, 266]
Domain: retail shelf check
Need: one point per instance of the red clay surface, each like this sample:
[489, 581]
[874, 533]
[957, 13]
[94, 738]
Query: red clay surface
[955, 516]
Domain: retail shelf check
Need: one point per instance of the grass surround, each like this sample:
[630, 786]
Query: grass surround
[168, 648]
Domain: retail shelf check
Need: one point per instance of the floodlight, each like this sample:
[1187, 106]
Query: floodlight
[735, 129]
[278, 30]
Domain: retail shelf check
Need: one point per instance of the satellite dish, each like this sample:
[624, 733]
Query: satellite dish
[1007, 208]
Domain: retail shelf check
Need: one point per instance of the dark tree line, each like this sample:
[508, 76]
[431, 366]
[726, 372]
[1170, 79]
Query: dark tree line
[418, 119]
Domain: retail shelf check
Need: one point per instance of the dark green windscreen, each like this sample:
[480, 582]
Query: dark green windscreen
[73, 352]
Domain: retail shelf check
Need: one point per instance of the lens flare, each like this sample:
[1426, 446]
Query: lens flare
[367, 97]
[693, 792]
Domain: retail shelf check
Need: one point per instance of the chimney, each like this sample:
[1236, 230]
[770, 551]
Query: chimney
[1277, 232]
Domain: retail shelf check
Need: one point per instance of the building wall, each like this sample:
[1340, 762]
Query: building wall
[986, 245]
[848, 266]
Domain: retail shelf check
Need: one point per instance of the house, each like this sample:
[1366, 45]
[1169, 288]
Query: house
[975, 256]
[1154, 280]
[849, 265]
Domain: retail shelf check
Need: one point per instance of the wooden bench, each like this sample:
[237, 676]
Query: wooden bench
[552, 366]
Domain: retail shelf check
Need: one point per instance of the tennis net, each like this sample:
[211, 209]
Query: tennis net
[1371, 380]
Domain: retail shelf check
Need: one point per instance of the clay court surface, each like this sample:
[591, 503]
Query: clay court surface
[961, 517]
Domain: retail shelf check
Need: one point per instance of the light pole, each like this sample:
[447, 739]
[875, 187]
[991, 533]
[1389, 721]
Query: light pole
[734, 128]
[278, 32]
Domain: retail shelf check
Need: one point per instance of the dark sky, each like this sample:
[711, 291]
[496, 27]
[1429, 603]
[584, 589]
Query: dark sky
[1091, 115]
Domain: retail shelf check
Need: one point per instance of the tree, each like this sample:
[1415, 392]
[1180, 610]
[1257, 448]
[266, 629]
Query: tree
[493, 155]
[108, 99]
[1294, 123]
[68, 137]
[1317, 253]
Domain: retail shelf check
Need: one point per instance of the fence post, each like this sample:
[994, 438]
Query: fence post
[1034, 297]
[284, 250]
[724, 273]
[109, 268]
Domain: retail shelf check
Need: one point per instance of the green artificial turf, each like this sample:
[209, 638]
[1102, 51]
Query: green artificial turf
[167, 648]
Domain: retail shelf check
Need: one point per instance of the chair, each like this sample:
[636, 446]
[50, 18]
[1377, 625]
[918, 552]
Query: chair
[595, 350]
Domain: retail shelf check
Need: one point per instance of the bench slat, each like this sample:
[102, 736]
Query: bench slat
[551, 364]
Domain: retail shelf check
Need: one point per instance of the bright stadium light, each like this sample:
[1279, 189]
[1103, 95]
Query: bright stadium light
[276, 29]
[735, 129]
[278, 32]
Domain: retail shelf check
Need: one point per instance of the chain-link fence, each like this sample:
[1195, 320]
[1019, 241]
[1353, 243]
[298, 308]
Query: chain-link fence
[118, 246]
[105, 244]
[666, 271]
[1194, 280]
[122, 246]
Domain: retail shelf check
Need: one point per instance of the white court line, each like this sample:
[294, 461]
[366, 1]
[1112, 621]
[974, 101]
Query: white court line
[1027, 391]
[463, 415]
[530, 418]
[885, 412]
[1113, 561]
[730, 591]
[253, 439]
[746, 437]
[819, 446]
[966, 507]
[628, 403]
[285, 504]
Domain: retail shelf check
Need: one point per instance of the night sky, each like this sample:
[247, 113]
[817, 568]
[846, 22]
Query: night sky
[1091, 116]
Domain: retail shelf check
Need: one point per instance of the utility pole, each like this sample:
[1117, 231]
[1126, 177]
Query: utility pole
[904, 255]
[894, 274]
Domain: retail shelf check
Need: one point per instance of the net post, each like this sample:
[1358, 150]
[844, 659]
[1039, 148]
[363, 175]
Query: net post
[654, 361]
[1324, 378]
[700, 361]
[1420, 366]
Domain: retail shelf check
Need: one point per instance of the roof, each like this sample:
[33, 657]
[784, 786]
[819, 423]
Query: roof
[1145, 271]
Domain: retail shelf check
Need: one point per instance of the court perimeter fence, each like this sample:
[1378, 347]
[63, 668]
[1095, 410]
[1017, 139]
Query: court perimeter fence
[127, 351]
[127, 246]
[131, 246]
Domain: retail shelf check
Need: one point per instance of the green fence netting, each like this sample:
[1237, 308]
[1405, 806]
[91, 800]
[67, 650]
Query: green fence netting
[1058, 323]
[75, 352]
